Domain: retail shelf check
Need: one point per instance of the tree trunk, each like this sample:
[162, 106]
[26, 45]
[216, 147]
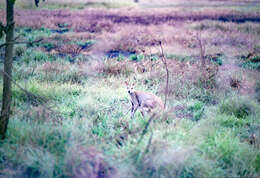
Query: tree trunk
[7, 94]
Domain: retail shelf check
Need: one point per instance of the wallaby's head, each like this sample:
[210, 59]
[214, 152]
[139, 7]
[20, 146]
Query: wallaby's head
[130, 88]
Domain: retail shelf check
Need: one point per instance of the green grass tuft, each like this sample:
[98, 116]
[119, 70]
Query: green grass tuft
[240, 107]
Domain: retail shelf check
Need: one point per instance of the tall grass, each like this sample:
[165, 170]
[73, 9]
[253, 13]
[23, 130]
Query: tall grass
[81, 125]
[97, 136]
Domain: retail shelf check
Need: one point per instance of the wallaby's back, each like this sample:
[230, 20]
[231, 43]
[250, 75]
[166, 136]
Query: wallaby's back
[149, 100]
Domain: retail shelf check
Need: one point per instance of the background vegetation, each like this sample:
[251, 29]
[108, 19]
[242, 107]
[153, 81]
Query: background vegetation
[77, 124]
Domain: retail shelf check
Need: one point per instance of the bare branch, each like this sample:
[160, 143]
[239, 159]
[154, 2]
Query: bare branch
[202, 50]
[145, 129]
[149, 143]
[167, 74]
[32, 96]
[21, 42]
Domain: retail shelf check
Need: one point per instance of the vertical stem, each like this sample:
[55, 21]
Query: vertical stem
[7, 95]
[145, 129]
[167, 75]
[202, 51]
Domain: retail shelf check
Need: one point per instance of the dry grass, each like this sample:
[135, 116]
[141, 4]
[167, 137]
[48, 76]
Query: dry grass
[88, 162]
[137, 30]
[53, 68]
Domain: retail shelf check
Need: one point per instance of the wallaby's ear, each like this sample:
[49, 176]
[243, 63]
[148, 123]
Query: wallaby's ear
[126, 83]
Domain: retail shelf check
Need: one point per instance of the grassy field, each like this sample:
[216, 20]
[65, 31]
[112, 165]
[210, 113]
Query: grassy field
[77, 124]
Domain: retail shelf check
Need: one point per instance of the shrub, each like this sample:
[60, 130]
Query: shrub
[19, 51]
[39, 149]
[251, 65]
[69, 49]
[48, 46]
[232, 121]
[216, 58]
[235, 81]
[135, 57]
[100, 127]
[83, 161]
[61, 72]
[208, 77]
[257, 162]
[197, 108]
[40, 56]
[34, 55]
[251, 61]
[240, 107]
[86, 44]
[163, 160]
[230, 155]
[44, 92]
[113, 67]
[31, 159]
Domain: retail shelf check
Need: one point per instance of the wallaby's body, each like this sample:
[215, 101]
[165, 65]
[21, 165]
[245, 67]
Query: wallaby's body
[145, 101]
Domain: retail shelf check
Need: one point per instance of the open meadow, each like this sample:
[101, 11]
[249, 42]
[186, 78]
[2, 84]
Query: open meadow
[76, 120]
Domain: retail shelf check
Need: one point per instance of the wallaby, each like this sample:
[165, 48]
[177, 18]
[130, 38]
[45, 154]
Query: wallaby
[147, 102]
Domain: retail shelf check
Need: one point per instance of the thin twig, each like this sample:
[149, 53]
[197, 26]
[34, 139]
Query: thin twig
[149, 143]
[128, 111]
[31, 95]
[19, 86]
[20, 42]
[167, 74]
[202, 50]
[136, 152]
[145, 129]
[141, 155]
